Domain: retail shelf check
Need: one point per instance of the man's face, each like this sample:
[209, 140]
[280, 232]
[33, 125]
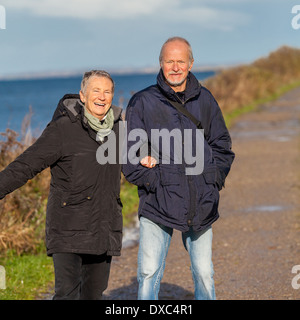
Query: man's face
[175, 64]
[98, 96]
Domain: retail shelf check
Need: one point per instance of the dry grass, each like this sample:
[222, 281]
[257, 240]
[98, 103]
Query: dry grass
[22, 213]
[237, 87]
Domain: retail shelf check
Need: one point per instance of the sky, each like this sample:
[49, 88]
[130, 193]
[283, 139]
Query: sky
[73, 35]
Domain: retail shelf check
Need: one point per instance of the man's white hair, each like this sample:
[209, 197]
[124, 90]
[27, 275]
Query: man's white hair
[191, 58]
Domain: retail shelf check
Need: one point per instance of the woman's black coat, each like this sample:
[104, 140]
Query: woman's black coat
[84, 211]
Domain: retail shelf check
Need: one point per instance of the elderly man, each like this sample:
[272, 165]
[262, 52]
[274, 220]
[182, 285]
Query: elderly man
[84, 214]
[172, 196]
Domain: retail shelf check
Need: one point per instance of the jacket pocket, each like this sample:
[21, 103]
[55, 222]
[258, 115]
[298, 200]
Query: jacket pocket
[168, 178]
[76, 207]
[214, 176]
[210, 176]
[209, 198]
[168, 198]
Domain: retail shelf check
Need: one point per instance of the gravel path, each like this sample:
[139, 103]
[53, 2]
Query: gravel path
[257, 238]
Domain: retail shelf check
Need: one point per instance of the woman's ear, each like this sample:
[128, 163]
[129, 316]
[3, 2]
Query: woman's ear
[82, 97]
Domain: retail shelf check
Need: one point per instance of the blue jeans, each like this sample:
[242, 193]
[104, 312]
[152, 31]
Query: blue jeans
[153, 249]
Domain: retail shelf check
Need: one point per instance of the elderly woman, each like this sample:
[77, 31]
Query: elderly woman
[84, 212]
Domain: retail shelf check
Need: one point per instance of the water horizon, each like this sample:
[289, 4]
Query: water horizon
[41, 95]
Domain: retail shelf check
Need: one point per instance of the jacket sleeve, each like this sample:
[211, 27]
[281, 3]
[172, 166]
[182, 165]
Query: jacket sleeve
[42, 154]
[220, 143]
[133, 171]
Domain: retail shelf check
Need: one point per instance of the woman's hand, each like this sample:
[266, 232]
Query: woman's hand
[148, 162]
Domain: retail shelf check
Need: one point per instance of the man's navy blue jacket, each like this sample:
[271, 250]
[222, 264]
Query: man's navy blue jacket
[167, 194]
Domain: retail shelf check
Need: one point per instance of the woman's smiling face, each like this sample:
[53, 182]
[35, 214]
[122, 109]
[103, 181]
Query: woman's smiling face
[97, 96]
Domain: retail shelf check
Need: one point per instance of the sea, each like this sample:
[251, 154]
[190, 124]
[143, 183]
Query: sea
[39, 97]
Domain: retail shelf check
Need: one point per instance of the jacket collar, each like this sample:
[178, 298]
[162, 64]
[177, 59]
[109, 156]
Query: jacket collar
[193, 87]
[71, 105]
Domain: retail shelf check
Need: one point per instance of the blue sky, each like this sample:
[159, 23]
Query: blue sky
[71, 35]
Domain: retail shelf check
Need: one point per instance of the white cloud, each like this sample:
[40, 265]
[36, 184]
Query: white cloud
[218, 19]
[87, 9]
[185, 11]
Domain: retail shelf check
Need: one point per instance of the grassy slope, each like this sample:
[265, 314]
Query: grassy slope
[26, 276]
[240, 89]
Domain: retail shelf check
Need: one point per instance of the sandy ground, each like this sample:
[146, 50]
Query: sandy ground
[257, 237]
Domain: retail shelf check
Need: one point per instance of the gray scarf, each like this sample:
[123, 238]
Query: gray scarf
[104, 126]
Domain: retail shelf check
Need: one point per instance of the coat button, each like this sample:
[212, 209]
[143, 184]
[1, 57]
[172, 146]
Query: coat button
[89, 198]
[64, 204]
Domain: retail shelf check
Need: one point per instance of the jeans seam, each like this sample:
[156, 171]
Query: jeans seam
[158, 278]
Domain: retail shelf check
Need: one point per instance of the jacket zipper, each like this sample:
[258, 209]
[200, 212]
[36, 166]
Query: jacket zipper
[192, 191]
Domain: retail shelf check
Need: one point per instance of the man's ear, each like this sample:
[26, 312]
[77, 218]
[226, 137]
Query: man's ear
[82, 97]
[191, 65]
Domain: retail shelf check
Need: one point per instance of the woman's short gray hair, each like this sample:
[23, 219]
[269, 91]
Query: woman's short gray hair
[95, 73]
[191, 58]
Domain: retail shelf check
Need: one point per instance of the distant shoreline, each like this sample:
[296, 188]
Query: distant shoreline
[122, 71]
